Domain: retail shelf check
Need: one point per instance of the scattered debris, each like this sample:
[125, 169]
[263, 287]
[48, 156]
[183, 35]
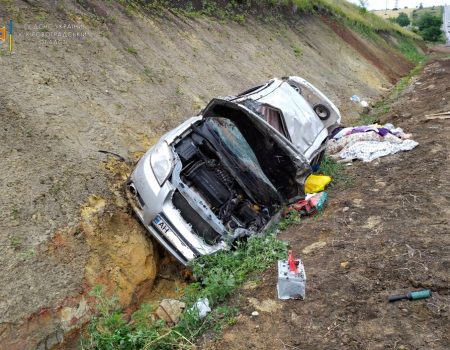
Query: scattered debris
[170, 310]
[310, 205]
[368, 142]
[364, 104]
[434, 116]
[415, 295]
[291, 278]
[255, 313]
[355, 99]
[202, 307]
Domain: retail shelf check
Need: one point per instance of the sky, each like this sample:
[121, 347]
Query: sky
[381, 4]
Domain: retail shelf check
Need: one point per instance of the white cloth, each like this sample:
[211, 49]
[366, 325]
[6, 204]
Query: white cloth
[370, 150]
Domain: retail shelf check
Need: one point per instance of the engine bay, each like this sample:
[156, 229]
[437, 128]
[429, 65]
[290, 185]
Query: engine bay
[205, 171]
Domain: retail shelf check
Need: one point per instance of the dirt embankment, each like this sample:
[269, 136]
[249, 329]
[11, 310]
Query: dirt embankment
[388, 233]
[95, 77]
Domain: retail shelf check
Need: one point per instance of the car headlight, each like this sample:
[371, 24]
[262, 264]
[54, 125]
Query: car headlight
[161, 161]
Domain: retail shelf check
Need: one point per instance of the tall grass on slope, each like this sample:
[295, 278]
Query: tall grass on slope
[357, 17]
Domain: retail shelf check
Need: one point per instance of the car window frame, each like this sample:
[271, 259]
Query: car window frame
[284, 128]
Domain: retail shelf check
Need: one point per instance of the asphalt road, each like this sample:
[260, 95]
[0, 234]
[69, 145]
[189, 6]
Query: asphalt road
[447, 22]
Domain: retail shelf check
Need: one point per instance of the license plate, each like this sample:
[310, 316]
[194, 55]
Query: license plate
[161, 225]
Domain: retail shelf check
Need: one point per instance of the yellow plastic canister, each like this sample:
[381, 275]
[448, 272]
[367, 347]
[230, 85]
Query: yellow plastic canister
[316, 183]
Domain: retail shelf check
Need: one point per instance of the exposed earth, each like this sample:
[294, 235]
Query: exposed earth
[385, 233]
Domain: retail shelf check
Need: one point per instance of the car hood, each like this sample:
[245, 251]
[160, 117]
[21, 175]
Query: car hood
[248, 122]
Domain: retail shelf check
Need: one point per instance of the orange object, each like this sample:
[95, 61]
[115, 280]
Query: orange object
[2, 34]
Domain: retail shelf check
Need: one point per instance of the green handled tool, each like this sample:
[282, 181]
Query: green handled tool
[418, 294]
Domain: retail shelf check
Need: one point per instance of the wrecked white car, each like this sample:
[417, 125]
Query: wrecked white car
[225, 173]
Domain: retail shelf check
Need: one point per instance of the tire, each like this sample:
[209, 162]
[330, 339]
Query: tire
[322, 111]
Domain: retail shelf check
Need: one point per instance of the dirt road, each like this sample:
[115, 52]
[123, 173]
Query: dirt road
[386, 234]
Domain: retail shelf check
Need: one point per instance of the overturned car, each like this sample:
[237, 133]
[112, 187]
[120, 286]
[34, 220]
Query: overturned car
[225, 173]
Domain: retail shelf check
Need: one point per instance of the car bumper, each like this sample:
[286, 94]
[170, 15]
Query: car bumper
[154, 207]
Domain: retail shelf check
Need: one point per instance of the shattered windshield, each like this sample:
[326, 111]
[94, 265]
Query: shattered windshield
[232, 140]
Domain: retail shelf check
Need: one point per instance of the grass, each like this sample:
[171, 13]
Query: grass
[408, 49]
[337, 172]
[384, 106]
[297, 51]
[28, 254]
[358, 18]
[15, 212]
[15, 243]
[132, 50]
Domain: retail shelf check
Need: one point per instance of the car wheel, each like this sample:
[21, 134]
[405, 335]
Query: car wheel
[322, 111]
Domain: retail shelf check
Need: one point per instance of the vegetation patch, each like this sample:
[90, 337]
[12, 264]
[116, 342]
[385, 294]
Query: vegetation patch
[218, 276]
[429, 27]
[407, 47]
[297, 51]
[355, 16]
[132, 50]
[336, 171]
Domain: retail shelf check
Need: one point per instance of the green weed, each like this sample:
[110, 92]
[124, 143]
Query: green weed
[27, 254]
[15, 212]
[15, 243]
[354, 16]
[218, 276]
[337, 172]
[132, 50]
[297, 51]
[224, 271]
[408, 49]
[291, 218]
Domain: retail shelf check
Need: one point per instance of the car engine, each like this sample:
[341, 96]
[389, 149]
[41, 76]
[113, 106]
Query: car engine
[205, 172]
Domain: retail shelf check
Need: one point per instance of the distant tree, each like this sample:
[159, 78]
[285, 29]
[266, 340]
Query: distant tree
[363, 4]
[403, 19]
[430, 27]
[420, 6]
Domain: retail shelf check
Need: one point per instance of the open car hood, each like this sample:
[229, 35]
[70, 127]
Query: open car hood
[266, 144]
